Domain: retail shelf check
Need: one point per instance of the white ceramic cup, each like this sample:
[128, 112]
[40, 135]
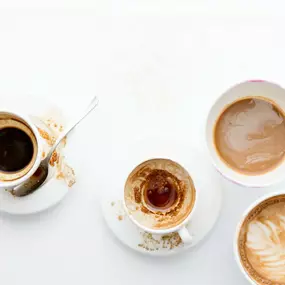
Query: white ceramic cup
[181, 228]
[261, 88]
[10, 184]
[236, 238]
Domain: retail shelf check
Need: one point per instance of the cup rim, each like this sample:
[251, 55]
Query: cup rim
[238, 227]
[274, 180]
[31, 125]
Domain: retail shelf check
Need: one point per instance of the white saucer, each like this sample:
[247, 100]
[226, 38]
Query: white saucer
[54, 190]
[207, 184]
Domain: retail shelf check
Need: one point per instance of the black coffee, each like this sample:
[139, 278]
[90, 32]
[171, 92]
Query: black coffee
[16, 149]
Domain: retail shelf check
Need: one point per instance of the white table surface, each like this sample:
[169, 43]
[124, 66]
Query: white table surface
[148, 61]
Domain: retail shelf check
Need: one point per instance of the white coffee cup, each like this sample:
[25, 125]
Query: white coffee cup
[18, 178]
[180, 228]
[260, 88]
[238, 229]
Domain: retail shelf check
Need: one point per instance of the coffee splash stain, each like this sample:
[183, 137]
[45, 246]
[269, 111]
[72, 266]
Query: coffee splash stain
[152, 242]
[148, 241]
[63, 170]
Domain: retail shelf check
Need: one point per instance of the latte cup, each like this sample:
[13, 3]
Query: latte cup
[156, 220]
[258, 240]
[10, 120]
[254, 88]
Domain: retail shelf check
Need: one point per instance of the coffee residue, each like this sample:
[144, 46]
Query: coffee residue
[137, 195]
[161, 189]
[57, 160]
[145, 210]
[47, 137]
[54, 158]
[152, 242]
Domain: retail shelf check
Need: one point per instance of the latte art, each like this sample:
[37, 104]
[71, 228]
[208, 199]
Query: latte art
[266, 247]
[261, 242]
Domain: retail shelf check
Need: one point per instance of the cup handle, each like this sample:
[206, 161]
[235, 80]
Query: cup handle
[184, 235]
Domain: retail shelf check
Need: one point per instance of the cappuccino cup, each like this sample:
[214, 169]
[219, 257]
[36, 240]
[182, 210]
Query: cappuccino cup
[160, 197]
[20, 149]
[259, 242]
[245, 133]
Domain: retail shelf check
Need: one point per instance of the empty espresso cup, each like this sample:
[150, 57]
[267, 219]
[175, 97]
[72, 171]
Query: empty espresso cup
[245, 133]
[160, 197]
[20, 149]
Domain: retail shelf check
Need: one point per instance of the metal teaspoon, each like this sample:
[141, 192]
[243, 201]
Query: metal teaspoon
[40, 175]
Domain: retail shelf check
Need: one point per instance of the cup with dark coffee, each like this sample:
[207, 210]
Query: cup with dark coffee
[20, 149]
[160, 197]
[245, 133]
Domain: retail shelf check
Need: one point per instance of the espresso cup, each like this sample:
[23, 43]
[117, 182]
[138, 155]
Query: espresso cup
[259, 241]
[254, 89]
[160, 197]
[20, 149]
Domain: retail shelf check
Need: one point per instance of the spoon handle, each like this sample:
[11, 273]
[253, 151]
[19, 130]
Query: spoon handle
[92, 105]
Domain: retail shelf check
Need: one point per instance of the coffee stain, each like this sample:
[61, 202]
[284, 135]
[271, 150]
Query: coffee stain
[137, 194]
[152, 242]
[63, 170]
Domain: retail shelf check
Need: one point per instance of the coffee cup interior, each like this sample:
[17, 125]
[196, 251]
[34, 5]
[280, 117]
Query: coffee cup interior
[159, 195]
[259, 238]
[263, 89]
[19, 148]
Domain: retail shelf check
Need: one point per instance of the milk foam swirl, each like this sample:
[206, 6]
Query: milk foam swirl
[266, 246]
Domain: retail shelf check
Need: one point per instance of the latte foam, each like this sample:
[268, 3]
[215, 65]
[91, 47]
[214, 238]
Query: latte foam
[262, 242]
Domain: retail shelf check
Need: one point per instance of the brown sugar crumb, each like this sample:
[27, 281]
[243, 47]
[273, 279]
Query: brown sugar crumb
[61, 128]
[43, 154]
[60, 175]
[137, 194]
[113, 204]
[64, 141]
[45, 135]
[155, 243]
[71, 183]
[171, 240]
[54, 158]
[55, 125]
[120, 218]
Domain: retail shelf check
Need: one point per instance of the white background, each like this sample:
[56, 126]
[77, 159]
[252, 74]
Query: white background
[156, 66]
